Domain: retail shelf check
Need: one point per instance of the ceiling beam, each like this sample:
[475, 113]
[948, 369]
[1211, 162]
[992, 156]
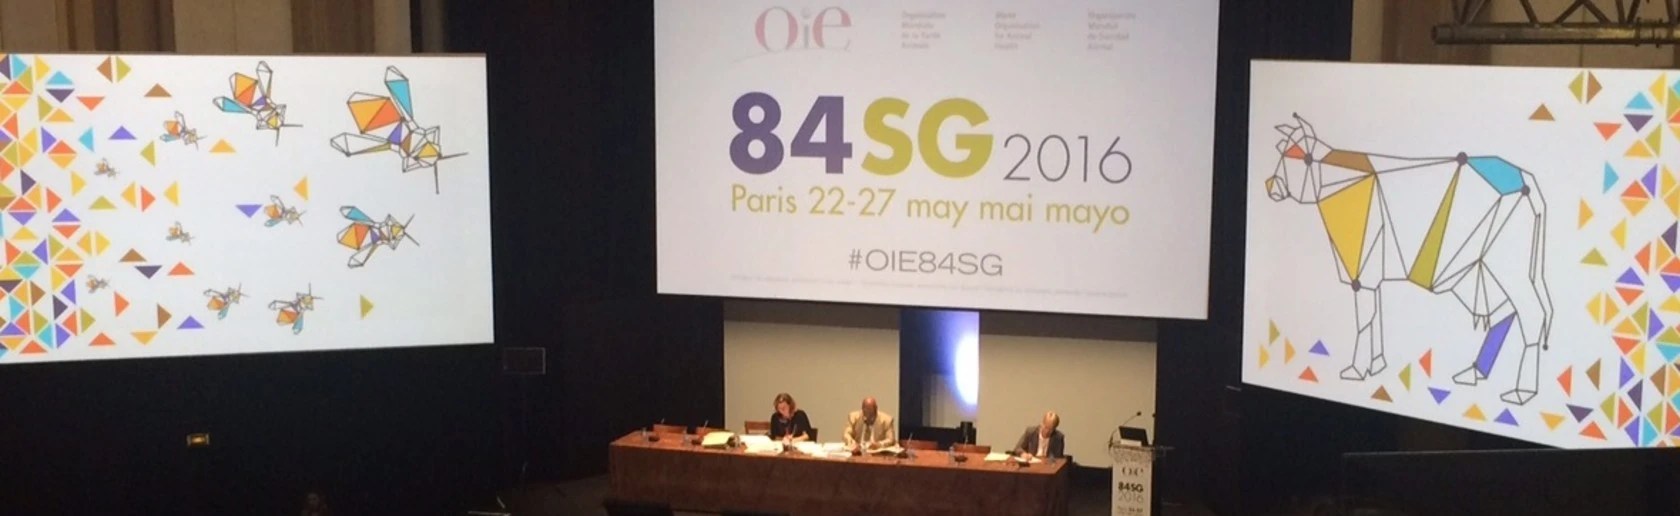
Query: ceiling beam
[1605, 22]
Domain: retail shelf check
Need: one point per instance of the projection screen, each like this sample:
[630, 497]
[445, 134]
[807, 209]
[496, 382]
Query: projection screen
[190, 205]
[1490, 248]
[1046, 156]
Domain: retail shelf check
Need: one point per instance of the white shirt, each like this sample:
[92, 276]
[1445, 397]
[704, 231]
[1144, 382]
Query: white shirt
[1043, 445]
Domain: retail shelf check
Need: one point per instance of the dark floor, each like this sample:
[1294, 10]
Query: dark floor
[583, 498]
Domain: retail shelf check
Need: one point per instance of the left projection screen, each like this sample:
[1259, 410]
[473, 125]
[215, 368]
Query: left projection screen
[160, 206]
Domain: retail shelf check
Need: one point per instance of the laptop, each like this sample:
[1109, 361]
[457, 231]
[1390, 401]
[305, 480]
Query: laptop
[1134, 434]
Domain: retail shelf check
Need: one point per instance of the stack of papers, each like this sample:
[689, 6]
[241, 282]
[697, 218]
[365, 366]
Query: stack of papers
[761, 444]
[823, 450]
[717, 439]
[1001, 457]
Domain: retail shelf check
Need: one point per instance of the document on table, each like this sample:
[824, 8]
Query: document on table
[1001, 457]
[823, 450]
[716, 439]
[761, 444]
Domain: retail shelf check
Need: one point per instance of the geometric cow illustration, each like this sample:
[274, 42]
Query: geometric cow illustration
[1472, 227]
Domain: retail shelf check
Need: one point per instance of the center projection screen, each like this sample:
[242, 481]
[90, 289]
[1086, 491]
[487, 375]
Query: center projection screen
[1050, 156]
[161, 206]
[1492, 248]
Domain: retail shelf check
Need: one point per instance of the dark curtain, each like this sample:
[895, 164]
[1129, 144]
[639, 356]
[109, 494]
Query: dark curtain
[1223, 455]
[572, 180]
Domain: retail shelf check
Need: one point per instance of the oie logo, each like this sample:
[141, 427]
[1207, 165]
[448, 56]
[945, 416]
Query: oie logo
[778, 29]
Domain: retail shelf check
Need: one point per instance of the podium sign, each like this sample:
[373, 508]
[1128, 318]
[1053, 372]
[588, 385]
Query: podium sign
[1133, 467]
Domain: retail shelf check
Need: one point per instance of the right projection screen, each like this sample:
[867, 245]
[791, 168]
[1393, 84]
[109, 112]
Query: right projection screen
[1489, 248]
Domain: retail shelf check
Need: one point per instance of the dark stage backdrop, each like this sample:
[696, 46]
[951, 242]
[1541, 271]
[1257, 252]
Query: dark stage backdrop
[1222, 451]
[401, 428]
[571, 117]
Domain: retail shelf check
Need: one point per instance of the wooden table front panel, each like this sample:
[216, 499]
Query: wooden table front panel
[692, 478]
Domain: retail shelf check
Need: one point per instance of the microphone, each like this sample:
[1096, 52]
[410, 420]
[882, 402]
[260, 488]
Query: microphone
[1134, 416]
[654, 437]
[701, 428]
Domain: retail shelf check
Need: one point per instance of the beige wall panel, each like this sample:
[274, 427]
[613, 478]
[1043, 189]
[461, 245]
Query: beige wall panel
[143, 25]
[391, 33]
[1368, 31]
[32, 26]
[265, 26]
[205, 27]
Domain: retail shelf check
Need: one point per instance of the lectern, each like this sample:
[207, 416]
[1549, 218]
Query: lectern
[1131, 487]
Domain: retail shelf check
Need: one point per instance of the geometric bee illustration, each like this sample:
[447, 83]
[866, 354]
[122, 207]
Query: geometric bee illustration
[222, 300]
[177, 130]
[96, 284]
[176, 234]
[104, 169]
[277, 212]
[365, 235]
[386, 123]
[254, 96]
[291, 312]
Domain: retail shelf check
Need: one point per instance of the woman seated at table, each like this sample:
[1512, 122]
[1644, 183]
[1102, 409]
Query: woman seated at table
[789, 424]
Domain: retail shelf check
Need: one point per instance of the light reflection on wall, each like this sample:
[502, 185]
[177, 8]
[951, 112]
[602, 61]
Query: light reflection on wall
[965, 365]
[951, 382]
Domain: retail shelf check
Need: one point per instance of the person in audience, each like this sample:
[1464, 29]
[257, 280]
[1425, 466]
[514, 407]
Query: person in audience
[1042, 441]
[869, 428]
[315, 505]
[789, 424]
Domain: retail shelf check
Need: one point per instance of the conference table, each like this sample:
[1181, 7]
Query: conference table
[689, 477]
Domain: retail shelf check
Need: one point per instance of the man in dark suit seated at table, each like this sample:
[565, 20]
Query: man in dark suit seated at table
[1042, 441]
